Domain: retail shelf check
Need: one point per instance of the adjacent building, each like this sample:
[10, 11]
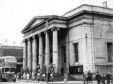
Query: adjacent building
[80, 40]
[16, 51]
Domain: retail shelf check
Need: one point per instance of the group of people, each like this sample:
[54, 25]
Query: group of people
[100, 78]
[26, 76]
[48, 76]
[87, 76]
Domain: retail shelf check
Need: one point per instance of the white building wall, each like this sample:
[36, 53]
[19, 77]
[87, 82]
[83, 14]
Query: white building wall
[93, 49]
[103, 33]
[77, 35]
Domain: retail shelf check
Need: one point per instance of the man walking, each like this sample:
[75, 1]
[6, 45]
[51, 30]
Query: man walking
[108, 78]
[98, 78]
[85, 77]
[89, 77]
[103, 78]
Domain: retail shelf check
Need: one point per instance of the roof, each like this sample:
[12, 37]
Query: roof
[11, 51]
[40, 20]
[86, 7]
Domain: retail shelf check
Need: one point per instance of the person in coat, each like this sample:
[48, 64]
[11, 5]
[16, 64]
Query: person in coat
[85, 77]
[98, 78]
[103, 78]
[89, 77]
[108, 78]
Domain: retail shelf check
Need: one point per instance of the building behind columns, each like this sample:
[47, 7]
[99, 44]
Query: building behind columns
[78, 41]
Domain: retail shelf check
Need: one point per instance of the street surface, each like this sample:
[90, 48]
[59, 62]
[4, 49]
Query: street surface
[43, 82]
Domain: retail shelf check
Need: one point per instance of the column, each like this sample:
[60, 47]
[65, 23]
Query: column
[34, 59]
[47, 50]
[55, 49]
[25, 55]
[40, 52]
[29, 55]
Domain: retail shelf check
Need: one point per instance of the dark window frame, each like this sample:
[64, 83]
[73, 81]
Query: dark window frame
[109, 51]
[76, 51]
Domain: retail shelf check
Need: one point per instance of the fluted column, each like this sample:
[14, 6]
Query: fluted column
[40, 52]
[29, 55]
[55, 49]
[47, 50]
[25, 55]
[34, 61]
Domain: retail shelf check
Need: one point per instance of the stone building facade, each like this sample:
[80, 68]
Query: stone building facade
[80, 40]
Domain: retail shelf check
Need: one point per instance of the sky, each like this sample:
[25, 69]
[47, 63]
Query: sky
[15, 14]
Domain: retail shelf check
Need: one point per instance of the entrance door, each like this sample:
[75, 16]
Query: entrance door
[63, 68]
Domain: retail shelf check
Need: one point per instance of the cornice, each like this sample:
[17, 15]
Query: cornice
[43, 24]
[86, 7]
[48, 18]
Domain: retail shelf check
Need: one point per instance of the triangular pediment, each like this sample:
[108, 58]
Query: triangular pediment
[35, 21]
[38, 20]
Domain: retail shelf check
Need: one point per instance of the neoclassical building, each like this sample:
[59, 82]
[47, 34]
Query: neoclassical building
[80, 40]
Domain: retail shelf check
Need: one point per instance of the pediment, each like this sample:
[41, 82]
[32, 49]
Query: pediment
[33, 22]
[37, 20]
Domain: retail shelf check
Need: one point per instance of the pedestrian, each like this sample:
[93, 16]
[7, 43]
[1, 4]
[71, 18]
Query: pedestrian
[28, 75]
[15, 77]
[38, 76]
[51, 71]
[108, 78]
[65, 76]
[24, 75]
[85, 77]
[48, 75]
[89, 77]
[103, 78]
[52, 76]
[98, 78]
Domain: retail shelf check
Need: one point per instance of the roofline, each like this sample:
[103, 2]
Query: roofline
[86, 5]
[11, 46]
[49, 17]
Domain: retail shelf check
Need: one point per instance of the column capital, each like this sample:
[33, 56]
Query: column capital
[45, 31]
[24, 40]
[55, 29]
[33, 37]
[28, 39]
[39, 34]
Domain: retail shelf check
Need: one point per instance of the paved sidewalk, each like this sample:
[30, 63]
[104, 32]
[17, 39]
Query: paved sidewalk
[57, 82]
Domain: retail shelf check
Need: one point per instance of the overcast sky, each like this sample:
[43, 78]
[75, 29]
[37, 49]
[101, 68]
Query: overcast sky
[15, 14]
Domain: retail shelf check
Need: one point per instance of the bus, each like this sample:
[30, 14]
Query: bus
[8, 68]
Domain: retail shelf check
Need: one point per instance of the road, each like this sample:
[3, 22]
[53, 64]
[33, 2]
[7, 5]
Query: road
[35, 82]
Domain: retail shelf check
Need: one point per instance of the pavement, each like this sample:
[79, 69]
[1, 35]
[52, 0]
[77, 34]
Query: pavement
[56, 82]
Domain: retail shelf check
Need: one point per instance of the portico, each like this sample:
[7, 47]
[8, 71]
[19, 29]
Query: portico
[44, 46]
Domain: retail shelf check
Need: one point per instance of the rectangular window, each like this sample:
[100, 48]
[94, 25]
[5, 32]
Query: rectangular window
[76, 51]
[109, 51]
[64, 53]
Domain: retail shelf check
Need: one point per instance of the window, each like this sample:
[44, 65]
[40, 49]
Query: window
[76, 51]
[6, 69]
[109, 51]
[64, 53]
[76, 69]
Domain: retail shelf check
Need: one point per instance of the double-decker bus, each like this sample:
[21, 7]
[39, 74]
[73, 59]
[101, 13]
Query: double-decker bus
[7, 68]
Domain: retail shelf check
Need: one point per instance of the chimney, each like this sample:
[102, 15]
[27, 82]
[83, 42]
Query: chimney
[14, 42]
[105, 4]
